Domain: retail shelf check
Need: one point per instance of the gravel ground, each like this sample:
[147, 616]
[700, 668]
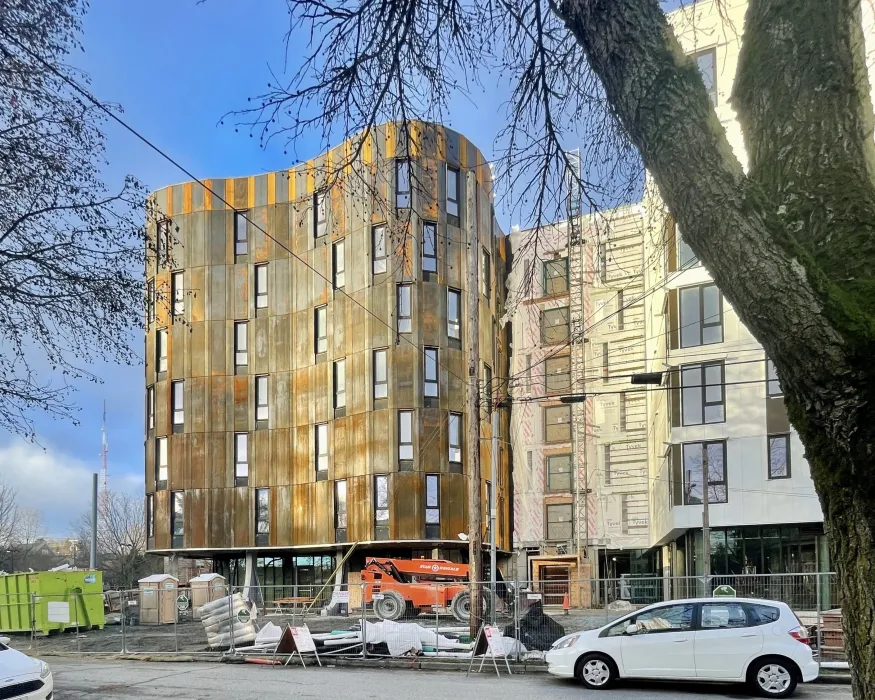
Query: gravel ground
[77, 679]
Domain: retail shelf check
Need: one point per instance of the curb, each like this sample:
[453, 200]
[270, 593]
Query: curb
[832, 678]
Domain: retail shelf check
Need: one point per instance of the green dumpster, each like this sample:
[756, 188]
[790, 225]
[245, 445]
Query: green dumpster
[50, 601]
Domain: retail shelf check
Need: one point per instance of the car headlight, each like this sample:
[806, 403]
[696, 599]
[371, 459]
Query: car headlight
[567, 642]
[44, 670]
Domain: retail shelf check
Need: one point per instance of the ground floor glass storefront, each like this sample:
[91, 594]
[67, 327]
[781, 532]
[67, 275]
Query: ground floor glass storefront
[291, 572]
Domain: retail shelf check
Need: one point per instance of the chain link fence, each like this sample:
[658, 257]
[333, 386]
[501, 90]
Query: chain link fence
[395, 619]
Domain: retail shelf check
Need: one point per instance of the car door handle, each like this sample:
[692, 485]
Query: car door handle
[749, 635]
[680, 641]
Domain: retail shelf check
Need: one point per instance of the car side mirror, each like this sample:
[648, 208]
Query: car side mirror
[5, 641]
[632, 629]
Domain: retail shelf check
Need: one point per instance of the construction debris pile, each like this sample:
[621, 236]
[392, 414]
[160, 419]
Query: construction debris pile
[226, 619]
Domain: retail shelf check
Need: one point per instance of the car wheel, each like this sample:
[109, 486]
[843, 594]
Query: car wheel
[596, 672]
[773, 678]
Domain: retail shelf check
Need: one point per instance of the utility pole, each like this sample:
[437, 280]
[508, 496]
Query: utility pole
[706, 520]
[93, 560]
[475, 515]
[493, 539]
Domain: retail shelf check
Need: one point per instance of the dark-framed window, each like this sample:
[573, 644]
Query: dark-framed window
[402, 183]
[320, 215]
[779, 456]
[430, 388]
[163, 243]
[487, 388]
[340, 512]
[559, 522]
[177, 518]
[454, 314]
[707, 64]
[773, 384]
[702, 395]
[150, 408]
[261, 286]
[161, 350]
[320, 329]
[150, 301]
[381, 374]
[241, 459]
[405, 320]
[452, 182]
[241, 239]
[701, 315]
[321, 448]
[177, 401]
[177, 289]
[340, 384]
[455, 438]
[379, 249]
[262, 401]
[686, 257]
[557, 423]
[381, 507]
[241, 343]
[405, 435]
[161, 468]
[699, 458]
[262, 517]
[429, 246]
[486, 275]
[557, 374]
[559, 472]
[668, 618]
[555, 276]
[432, 506]
[554, 325]
[150, 518]
[338, 259]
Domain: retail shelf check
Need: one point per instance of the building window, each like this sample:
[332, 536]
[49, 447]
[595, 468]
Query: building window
[686, 257]
[554, 326]
[452, 191]
[262, 517]
[429, 247]
[381, 506]
[557, 424]
[163, 241]
[700, 458]
[340, 384]
[606, 367]
[454, 318]
[621, 311]
[177, 518]
[487, 388]
[402, 184]
[559, 473]
[431, 372]
[150, 517]
[262, 407]
[555, 276]
[701, 315]
[608, 465]
[773, 384]
[241, 343]
[405, 435]
[150, 301]
[380, 250]
[241, 459]
[779, 456]
[559, 522]
[486, 275]
[320, 221]
[622, 411]
[261, 286]
[241, 240]
[321, 329]
[178, 291]
[405, 322]
[633, 513]
[338, 254]
[340, 517]
[161, 349]
[557, 373]
[177, 398]
[456, 438]
[322, 447]
[150, 408]
[706, 61]
[381, 375]
[432, 506]
[161, 464]
[702, 399]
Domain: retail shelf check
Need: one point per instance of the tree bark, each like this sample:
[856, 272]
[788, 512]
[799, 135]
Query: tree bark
[801, 226]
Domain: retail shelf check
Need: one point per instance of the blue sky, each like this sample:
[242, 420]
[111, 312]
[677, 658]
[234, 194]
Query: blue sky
[176, 67]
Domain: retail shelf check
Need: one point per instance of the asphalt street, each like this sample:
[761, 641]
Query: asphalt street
[77, 679]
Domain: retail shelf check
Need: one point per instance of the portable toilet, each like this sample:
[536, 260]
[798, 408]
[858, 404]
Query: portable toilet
[158, 595]
[205, 589]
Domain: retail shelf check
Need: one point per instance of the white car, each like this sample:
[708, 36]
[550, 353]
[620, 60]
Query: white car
[22, 677]
[759, 642]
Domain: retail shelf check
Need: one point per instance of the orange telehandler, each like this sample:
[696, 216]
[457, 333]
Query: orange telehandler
[400, 588]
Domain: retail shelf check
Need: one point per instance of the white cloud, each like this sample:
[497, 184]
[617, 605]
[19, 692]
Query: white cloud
[55, 483]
